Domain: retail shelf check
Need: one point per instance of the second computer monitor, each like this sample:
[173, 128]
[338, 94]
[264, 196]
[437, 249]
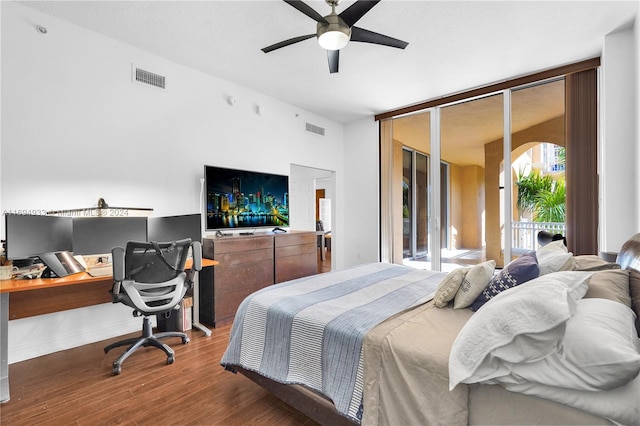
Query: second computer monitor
[173, 228]
[99, 235]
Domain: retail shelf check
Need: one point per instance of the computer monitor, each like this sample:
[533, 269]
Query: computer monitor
[31, 235]
[173, 228]
[99, 235]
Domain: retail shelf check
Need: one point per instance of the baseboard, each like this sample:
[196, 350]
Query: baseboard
[44, 334]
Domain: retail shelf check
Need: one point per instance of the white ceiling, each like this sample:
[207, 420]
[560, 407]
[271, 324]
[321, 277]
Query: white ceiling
[466, 127]
[453, 45]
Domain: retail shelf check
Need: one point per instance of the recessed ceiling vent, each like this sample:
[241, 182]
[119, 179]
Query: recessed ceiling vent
[315, 129]
[146, 77]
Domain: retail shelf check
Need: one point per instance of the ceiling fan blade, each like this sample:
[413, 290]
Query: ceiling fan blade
[334, 59]
[287, 43]
[307, 10]
[366, 36]
[353, 13]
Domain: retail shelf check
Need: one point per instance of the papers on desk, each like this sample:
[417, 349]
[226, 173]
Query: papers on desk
[98, 265]
[100, 271]
[29, 272]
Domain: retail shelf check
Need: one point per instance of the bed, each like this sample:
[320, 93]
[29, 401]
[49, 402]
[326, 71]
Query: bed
[550, 339]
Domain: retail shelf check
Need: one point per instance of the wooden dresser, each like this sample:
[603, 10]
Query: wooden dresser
[295, 255]
[249, 263]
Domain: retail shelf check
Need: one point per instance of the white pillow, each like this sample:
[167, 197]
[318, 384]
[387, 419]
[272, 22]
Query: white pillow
[554, 257]
[576, 281]
[600, 351]
[475, 280]
[522, 324]
[619, 404]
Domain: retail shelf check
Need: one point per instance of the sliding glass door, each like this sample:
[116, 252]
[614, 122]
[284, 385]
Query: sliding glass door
[484, 147]
[538, 155]
[411, 139]
[415, 207]
[471, 141]
[461, 149]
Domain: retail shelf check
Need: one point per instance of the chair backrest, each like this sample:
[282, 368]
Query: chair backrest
[150, 276]
[154, 262]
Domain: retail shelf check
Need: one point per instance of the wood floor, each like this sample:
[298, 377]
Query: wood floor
[75, 387]
[324, 265]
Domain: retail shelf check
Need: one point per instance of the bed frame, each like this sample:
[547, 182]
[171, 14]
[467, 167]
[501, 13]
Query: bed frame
[305, 400]
[321, 409]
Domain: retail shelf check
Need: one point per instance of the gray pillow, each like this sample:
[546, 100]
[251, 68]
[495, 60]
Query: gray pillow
[612, 284]
[634, 290]
[592, 262]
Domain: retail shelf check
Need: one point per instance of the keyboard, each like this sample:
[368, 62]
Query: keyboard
[100, 271]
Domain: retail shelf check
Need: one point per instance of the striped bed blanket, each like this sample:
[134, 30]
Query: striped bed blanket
[309, 331]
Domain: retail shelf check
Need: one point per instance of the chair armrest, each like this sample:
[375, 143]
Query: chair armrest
[117, 257]
[196, 253]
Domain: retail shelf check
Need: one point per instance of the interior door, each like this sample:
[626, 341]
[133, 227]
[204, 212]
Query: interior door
[302, 202]
[302, 195]
[320, 194]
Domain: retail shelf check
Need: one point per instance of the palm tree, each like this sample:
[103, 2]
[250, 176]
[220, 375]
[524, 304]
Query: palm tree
[550, 204]
[541, 196]
[529, 186]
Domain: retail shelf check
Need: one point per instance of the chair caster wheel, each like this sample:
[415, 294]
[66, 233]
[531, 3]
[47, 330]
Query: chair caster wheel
[116, 370]
[170, 360]
[185, 340]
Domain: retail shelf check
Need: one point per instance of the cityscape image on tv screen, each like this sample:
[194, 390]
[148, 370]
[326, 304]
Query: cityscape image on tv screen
[245, 199]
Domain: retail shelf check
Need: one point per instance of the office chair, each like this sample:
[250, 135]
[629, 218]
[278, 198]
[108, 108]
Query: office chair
[321, 236]
[150, 278]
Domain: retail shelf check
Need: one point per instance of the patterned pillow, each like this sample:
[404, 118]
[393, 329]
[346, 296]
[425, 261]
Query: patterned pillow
[449, 286]
[519, 271]
[476, 279]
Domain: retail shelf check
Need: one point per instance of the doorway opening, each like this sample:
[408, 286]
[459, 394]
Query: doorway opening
[312, 194]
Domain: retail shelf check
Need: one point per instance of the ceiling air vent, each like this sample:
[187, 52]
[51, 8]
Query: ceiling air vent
[146, 77]
[315, 129]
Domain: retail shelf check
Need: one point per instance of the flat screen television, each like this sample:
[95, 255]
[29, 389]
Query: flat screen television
[241, 199]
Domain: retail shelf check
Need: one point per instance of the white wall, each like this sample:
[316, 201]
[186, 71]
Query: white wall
[636, 49]
[75, 128]
[360, 206]
[620, 152]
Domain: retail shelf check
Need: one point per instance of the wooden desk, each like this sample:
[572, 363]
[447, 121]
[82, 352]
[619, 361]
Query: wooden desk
[60, 294]
[46, 295]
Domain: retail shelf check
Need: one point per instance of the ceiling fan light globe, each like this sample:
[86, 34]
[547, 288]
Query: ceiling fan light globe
[333, 40]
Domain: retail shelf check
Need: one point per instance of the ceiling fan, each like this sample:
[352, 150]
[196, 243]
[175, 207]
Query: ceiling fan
[334, 31]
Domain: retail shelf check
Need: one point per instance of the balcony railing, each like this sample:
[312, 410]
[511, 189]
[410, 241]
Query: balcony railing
[556, 168]
[524, 234]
